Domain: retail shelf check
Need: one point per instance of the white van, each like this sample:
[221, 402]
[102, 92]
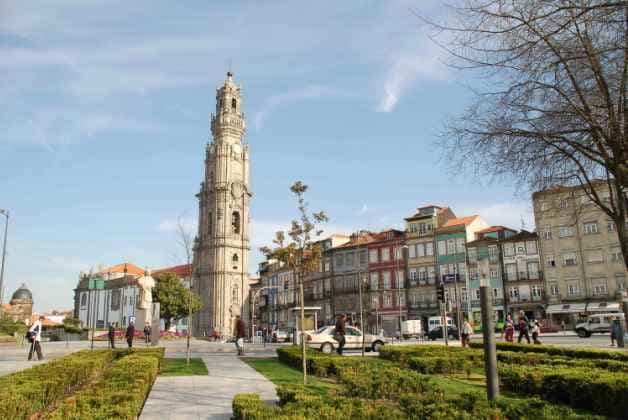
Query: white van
[411, 329]
[436, 321]
[597, 323]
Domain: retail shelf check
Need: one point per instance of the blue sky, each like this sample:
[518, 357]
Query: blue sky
[104, 110]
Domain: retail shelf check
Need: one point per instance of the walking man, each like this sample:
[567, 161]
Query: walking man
[339, 333]
[240, 333]
[112, 336]
[523, 327]
[34, 336]
[130, 333]
[147, 333]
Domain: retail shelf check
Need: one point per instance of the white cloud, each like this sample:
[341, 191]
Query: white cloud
[405, 69]
[507, 214]
[277, 100]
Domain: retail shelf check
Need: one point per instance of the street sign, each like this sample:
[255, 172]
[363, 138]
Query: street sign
[132, 319]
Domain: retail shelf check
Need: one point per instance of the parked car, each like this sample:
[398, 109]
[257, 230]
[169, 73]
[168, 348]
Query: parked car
[436, 321]
[323, 339]
[597, 323]
[282, 335]
[452, 333]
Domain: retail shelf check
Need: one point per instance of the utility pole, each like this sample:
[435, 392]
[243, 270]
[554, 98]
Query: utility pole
[488, 333]
[5, 213]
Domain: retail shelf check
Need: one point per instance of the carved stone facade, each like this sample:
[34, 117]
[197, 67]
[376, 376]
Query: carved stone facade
[221, 252]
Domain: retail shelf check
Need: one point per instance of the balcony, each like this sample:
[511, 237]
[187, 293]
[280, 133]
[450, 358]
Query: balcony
[523, 276]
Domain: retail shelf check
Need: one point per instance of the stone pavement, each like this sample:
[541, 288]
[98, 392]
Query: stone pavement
[206, 397]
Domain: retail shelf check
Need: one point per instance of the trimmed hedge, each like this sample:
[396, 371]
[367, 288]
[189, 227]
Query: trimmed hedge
[121, 392]
[377, 382]
[30, 391]
[533, 359]
[403, 354]
[595, 390]
[320, 364]
[571, 352]
[442, 364]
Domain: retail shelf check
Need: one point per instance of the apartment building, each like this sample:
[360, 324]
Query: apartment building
[484, 258]
[350, 267]
[387, 280]
[582, 260]
[421, 259]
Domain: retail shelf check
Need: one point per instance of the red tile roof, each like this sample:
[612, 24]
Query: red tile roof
[461, 221]
[119, 268]
[179, 270]
[496, 228]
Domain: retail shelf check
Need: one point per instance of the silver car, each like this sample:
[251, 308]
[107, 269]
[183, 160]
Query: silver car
[323, 339]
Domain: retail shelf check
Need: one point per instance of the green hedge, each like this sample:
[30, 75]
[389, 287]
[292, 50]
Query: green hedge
[595, 390]
[320, 364]
[576, 353]
[376, 381]
[403, 354]
[442, 364]
[533, 359]
[25, 393]
[121, 392]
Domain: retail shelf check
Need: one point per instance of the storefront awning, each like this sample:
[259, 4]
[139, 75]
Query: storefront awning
[603, 307]
[566, 308]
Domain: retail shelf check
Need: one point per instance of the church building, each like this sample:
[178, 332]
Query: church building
[221, 251]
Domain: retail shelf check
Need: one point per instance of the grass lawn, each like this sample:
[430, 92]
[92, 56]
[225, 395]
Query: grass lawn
[178, 367]
[281, 374]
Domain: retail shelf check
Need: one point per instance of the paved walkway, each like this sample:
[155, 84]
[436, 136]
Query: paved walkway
[206, 397]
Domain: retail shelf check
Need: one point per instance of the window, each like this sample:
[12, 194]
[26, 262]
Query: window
[533, 270]
[494, 273]
[570, 258]
[590, 228]
[513, 292]
[375, 302]
[429, 249]
[599, 289]
[420, 250]
[234, 103]
[545, 205]
[463, 294]
[521, 248]
[400, 280]
[339, 260]
[413, 274]
[616, 256]
[547, 233]
[594, 257]
[460, 245]
[536, 291]
[431, 275]
[385, 254]
[402, 299]
[349, 259]
[235, 222]
[511, 272]
[563, 204]
[210, 223]
[412, 227]
[610, 226]
[83, 299]
[442, 248]
[373, 256]
[550, 261]
[509, 250]
[554, 291]
[235, 260]
[565, 231]
[451, 246]
[362, 256]
[620, 281]
[411, 251]
[387, 300]
[531, 248]
[473, 254]
[492, 253]
[573, 289]
[477, 294]
[386, 279]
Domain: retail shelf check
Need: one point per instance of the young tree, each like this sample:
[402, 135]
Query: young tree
[174, 298]
[553, 109]
[301, 252]
[186, 242]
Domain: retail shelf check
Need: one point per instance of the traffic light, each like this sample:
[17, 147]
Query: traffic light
[440, 291]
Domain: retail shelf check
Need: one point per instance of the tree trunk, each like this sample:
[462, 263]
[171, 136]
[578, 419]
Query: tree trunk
[620, 221]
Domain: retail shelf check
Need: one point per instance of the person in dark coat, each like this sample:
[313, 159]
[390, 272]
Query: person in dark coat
[147, 333]
[523, 327]
[339, 333]
[130, 333]
[240, 333]
[112, 336]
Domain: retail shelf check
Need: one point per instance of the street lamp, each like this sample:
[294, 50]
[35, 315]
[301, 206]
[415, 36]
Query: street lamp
[5, 213]
[397, 256]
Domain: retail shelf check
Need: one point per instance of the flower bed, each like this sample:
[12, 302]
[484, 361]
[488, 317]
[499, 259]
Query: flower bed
[25, 393]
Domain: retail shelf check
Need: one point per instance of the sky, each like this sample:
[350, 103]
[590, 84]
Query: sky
[104, 119]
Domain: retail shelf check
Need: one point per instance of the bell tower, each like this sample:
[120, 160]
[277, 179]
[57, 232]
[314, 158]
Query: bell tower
[221, 251]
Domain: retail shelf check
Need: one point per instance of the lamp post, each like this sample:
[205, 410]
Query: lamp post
[397, 257]
[5, 213]
[488, 327]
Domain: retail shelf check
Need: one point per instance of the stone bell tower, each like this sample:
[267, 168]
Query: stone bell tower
[221, 252]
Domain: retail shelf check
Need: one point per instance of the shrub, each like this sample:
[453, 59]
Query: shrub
[322, 364]
[441, 364]
[121, 392]
[533, 359]
[403, 354]
[570, 352]
[377, 381]
[25, 393]
[595, 390]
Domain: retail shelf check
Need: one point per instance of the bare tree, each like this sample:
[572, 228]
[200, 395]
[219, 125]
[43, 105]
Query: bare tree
[186, 242]
[550, 109]
[302, 254]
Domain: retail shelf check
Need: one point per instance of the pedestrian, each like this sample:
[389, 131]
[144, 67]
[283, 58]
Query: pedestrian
[130, 333]
[34, 336]
[467, 330]
[339, 333]
[614, 333]
[112, 336]
[510, 329]
[523, 327]
[536, 331]
[240, 333]
[563, 326]
[147, 333]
